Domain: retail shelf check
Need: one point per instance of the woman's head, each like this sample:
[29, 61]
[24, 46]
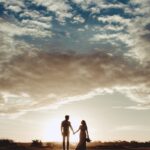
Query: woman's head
[83, 122]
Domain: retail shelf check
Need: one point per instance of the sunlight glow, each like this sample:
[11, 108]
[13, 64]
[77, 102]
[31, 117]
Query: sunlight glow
[52, 130]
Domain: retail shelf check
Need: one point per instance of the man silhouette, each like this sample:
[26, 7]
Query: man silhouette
[65, 125]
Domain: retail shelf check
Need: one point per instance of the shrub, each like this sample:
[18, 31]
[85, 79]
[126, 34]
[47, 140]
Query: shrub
[7, 142]
[50, 145]
[36, 143]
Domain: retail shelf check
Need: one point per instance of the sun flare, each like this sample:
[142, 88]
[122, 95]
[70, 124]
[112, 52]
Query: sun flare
[52, 130]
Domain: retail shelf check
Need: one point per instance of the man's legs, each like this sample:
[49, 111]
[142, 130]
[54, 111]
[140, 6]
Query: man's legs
[63, 142]
[68, 142]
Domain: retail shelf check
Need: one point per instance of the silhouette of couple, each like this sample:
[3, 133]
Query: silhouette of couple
[84, 135]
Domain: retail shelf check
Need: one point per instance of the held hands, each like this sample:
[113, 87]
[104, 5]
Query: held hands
[74, 132]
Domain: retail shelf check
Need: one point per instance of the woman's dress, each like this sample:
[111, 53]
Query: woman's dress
[82, 141]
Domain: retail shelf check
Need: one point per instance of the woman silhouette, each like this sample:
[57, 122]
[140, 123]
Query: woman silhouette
[84, 135]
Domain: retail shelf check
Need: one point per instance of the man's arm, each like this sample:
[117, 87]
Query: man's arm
[71, 128]
[61, 128]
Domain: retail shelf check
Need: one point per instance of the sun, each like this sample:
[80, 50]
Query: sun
[52, 130]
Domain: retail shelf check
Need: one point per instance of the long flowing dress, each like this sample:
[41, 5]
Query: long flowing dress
[82, 141]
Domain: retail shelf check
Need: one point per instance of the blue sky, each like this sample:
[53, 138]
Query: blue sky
[55, 54]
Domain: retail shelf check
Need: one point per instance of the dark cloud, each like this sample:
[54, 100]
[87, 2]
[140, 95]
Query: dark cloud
[43, 79]
[146, 37]
[147, 27]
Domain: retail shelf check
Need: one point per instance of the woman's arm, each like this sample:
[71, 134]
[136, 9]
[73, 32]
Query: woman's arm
[87, 133]
[77, 131]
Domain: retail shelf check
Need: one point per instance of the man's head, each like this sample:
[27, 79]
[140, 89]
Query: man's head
[67, 117]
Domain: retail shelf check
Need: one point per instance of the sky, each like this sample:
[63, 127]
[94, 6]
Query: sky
[89, 59]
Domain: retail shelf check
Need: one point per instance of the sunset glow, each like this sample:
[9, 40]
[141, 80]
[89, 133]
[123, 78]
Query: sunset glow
[89, 59]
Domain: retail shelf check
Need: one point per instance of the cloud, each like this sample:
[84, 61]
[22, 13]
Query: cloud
[99, 37]
[114, 18]
[113, 38]
[35, 80]
[15, 6]
[98, 5]
[78, 19]
[110, 27]
[26, 27]
[36, 15]
[59, 7]
[32, 78]
[140, 34]
[135, 34]
[26, 22]
[143, 5]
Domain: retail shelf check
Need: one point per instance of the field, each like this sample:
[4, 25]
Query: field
[38, 145]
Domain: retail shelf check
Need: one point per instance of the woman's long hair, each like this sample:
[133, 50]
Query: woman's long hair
[83, 122]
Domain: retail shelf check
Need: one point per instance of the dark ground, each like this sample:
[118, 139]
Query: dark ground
[38, 145]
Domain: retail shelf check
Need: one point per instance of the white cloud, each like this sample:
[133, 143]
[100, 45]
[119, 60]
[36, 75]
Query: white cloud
[10, 28]
[35, 26]
[125, 38]
[35, 15]
[89, 95]
[140, 36]
[59, 7]
[14, 103]
[136, 36]
[99, 37]
[78, 19]
[13, 99]
[139, 94]
[140, 10]
[100, 4]
[26, 27]
[95, 10]
[114, 18]
[14, 8]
